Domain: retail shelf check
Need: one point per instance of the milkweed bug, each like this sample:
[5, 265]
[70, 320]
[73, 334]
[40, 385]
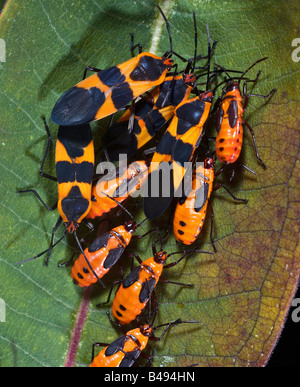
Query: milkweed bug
[110, 90]
[146, 117]
[231, 108]
[74, 161]
[104, 252]
[135, 290]
[190, 211]
[74, 168]
[124, 351]
[176, 148]
[109, 191]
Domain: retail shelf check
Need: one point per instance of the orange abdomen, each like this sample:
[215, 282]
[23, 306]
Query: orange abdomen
[107, 361]
[230, 127]
[126, 349]
[82, 274]
[191, 211]
[102, 255]
[126, 305]
[133, 295]
[229, 142]
[118, 188]
[188, 232]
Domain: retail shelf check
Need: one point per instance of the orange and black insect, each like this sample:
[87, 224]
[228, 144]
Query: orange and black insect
[150, 114]
[110, 90]
[231, 107]
[113, 190]
[74, 160]
[103, 253]
[191, 209]
[142, 121]
[136, 289]
[176, 148]
[124, 351]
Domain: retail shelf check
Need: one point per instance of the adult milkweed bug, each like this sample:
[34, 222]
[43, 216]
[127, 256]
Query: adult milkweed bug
[74, 161]
[146, 117]
[231, 107]
[125, 350]
[136, 289]
[110, 90]
[111, 191]
[190, 211]
[176, 148]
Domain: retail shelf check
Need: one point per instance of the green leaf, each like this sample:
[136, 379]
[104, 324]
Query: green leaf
[242, 294]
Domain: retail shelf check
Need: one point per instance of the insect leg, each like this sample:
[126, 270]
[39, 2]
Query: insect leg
[42, 173]
[40, 199]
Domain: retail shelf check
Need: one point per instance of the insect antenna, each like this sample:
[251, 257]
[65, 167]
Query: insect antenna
[249, 68]
[45, 251]
[170, 53]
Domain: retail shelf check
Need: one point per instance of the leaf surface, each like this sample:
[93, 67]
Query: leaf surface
[242, 294]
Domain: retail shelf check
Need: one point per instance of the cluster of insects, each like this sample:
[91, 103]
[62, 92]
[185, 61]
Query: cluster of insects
[157, 102]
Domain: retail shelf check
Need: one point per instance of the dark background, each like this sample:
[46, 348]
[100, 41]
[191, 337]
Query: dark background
[287, 350]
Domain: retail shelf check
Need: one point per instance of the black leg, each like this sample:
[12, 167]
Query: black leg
[57, 224]
[169, 325]
[212, 226]
[142, 236]
[89, 68]
[247, 95]
[133, 256]
[42, 173]
[115, 323]
[198, 57]
[133, 47]
[109, 294]
[186, 254]
[254, 142]
[230, 193]
[216, 105]
[97, 345]
[69, 262]
[40, 199]
[43, 252]
[176, 283]
[149, 358]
